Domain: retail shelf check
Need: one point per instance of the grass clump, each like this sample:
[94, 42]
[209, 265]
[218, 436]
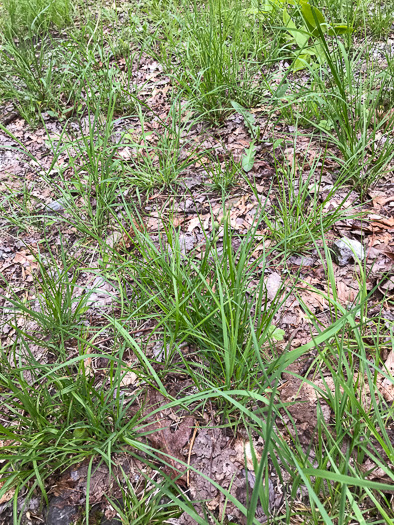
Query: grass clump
[31, 75]
[57, 305]
[67, 77]
[36, 15]
[144, 504]
[346, 107]
[57, 417]
[222, 57]
[223, 174]
[299, 215]
[162, 157]
[217, 301]
[186, 218]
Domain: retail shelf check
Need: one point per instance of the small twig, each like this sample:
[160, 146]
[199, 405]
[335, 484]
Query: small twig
[190, 453]
[141, 330]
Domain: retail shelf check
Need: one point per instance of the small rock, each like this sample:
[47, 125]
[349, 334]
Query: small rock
[114, 521]
[273, 283]
[74, 475]
[301, 260]
[56, 206]
[34, 504]
[346, 250]
[59, 513]
[160, 352]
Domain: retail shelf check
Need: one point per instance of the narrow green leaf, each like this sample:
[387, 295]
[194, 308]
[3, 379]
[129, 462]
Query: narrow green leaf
[348, 480]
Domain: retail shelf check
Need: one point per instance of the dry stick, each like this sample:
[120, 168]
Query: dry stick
[190, 453]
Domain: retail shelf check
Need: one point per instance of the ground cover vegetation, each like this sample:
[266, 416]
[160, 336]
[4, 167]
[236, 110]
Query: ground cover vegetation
[196, 262]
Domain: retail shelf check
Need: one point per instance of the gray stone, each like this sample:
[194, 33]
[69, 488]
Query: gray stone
[59, 513]
[56, 206]
[301, 260]
[191, 182]
[346, 250]
[34, 504]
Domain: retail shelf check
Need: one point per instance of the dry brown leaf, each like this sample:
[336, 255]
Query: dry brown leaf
[314, 301]
[387, 287]
[88, 367]
[25, 260]
[346, 294]
[244, 452]
[126, 243]
[193, 223]
[259, 248]
[383, 223]
[7, 496]
[381, 200]
[177, 221]
[386, 384]
[165, 437]
[10, 493]
[128, 379]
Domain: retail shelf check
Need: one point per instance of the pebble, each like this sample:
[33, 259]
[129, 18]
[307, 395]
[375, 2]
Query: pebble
[301, 260]
[114, 521]
[56, 206]
[346, 250]
[59, 513]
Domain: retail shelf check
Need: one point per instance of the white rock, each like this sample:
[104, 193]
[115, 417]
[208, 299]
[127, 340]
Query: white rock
[346, 250]
[273, 283]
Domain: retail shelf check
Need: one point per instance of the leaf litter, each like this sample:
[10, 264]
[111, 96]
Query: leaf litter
[225, 459]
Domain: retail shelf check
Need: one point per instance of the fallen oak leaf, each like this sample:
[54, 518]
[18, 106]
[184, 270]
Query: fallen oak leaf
[177, 221]
[386, 384]
[383, 223]
[193, 223]
[346, 294]
[381, 200]
[25, 260]
[162, 437]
